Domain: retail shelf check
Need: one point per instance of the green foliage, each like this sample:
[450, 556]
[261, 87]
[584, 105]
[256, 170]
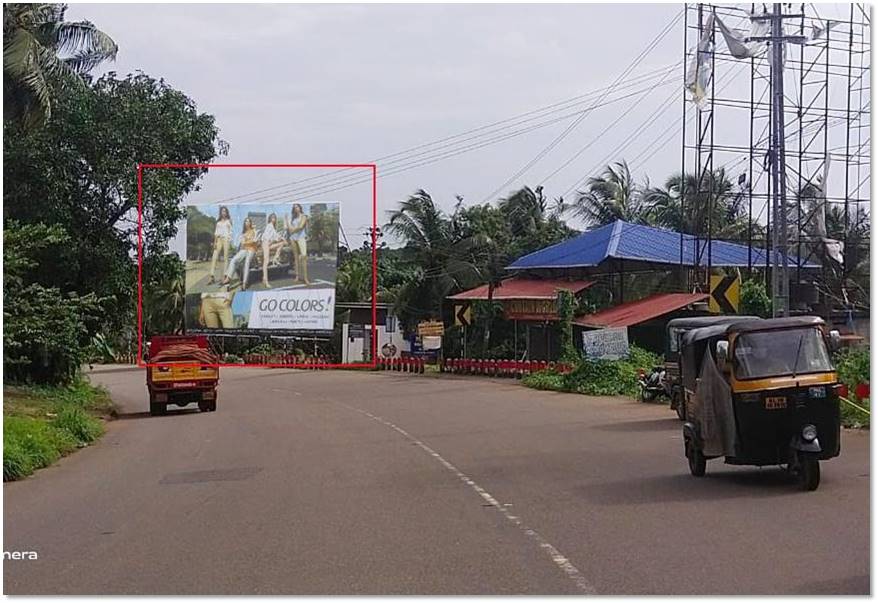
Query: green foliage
[43, 423]
[29, 444]
[44, 54]
[77, 173]
[46, 333]
[754, 299]
[612, 196]
[101, 350]
[354, 279]
[445, 253]
[566, 310]
[598, 377]
[853, 365]
[164, 294]
[77, 422]
[546, 380]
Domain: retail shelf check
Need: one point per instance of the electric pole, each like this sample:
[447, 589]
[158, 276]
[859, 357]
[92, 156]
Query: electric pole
[780, 274]
[780, 269]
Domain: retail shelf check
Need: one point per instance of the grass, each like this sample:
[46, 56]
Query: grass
[41, 424]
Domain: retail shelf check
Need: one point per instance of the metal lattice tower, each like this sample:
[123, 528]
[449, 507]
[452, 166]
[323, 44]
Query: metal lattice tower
[826, 103]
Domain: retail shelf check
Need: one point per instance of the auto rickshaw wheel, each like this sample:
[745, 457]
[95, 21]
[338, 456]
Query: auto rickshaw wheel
[697, 462]
[809, 472]
[681, 411]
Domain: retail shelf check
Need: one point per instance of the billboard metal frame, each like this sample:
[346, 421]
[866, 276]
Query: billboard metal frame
[206, 166]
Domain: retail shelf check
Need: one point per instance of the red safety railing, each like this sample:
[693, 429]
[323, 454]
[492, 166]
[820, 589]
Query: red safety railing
[500, 368]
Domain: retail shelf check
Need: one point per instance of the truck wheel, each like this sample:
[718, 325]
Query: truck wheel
[213, 405]
[809, 472]
[156, 409]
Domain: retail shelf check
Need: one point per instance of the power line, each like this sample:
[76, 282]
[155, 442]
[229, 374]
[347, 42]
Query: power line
[497, 126]
[355, 179]
[572, 126]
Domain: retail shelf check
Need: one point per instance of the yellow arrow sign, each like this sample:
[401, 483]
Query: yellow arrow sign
[725, 294]
[463, 315]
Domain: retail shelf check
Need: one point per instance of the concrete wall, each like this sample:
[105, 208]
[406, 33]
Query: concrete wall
[355, 349]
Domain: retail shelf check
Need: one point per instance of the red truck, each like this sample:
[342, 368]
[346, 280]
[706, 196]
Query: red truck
[181, 373]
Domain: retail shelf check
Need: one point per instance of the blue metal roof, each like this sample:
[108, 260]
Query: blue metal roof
[636, 242]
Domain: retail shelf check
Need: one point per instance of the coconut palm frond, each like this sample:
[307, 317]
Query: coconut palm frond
[41, 51]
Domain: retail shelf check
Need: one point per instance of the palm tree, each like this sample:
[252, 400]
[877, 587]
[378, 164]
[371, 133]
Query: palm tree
[444, 260]
[532, 223]
[609, 197]
[707, 206]
[41, 51]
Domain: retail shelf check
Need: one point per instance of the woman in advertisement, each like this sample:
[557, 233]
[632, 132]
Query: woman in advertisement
[249, 246]
[271, 241]
[222, 238]
[297, 233]
[216, 310]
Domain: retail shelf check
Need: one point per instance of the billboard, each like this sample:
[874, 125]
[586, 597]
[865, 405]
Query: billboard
[261, 267]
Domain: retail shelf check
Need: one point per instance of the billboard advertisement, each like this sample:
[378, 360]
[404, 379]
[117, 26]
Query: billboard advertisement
[261, 267]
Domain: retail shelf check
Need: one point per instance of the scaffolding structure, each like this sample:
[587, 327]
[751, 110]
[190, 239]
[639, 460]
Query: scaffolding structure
[826, 143]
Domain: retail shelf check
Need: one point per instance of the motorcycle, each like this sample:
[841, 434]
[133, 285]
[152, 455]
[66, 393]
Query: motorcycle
[653, 385]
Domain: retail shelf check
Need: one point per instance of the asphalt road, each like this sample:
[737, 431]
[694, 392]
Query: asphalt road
[364, 483]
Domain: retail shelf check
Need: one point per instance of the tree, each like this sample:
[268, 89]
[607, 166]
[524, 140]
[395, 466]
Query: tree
[46, 332]
[79, 172]
[444, 261]
[611, 196]
[709, 205]
[532, 224]
[41, 53]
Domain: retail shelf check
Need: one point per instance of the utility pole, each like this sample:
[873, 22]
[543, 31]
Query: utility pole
[780, 271]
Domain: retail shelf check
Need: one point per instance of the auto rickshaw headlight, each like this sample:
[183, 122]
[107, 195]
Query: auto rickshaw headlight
[809, 433]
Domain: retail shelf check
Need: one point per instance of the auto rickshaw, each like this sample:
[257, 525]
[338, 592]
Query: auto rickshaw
[762, 392]
[675, 330]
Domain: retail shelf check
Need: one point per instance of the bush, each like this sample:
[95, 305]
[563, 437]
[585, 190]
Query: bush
[46, 334]
[852, 365]
[754, 299]
[598, 377]
[548, 380]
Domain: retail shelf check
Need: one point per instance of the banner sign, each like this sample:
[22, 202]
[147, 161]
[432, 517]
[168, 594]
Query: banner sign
[605, 344]
[261, 267]
[431, 328]
[292, 310]
[531, 309]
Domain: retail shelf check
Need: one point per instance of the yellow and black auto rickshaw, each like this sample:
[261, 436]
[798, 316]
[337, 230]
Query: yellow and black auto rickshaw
[761, 392]
[675, 330]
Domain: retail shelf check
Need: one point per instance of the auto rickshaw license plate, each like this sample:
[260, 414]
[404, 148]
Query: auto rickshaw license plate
[774, 402]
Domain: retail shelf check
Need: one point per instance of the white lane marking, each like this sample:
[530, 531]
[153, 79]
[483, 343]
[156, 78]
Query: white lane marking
[560, 560]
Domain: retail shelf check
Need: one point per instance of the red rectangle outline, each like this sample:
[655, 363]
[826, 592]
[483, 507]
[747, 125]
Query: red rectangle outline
[374, 343]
